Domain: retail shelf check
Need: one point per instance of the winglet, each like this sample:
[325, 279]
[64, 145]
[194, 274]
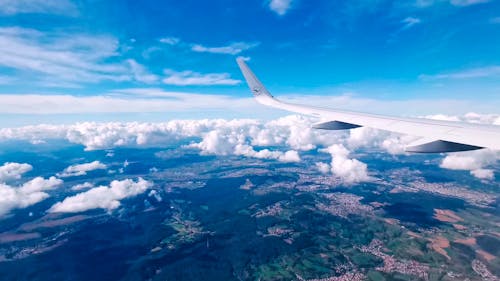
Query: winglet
[253, 82]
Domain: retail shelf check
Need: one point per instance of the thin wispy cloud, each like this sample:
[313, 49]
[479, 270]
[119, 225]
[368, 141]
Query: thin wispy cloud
[59, 7]
[467, 2]
[170, 40]
[140, 73]
[231, 49]
[121, 101]
[62, 59]
[480, 72]
[410, 21]
[280, 7]
[190, 78]
[458, 3]
[137, 100]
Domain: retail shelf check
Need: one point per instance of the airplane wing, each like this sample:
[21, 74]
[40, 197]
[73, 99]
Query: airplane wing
[435, 136]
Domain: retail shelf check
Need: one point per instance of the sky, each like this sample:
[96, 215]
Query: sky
[63, 61]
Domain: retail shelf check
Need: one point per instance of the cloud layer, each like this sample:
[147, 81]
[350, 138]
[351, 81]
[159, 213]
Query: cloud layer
[282, 139]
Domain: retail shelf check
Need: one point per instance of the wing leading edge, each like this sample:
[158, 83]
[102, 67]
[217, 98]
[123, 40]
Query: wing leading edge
[435, 136]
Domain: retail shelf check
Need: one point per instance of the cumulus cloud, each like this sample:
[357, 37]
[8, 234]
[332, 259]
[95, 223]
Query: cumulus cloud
[473, 161]
[486, 174]
[102, 197]
[349, 170]
[82, 169]
[365, 137]
[225, 141]
[396, 144]
[323, 167]
[281, 139]
[13, 171]
[280, 7]
[29, 193]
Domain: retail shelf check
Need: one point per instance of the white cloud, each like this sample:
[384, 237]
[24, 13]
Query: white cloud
[159, 100]
[102, 197]
[13, 171]
[170, 40]
[81, 186]
[61, 7]
[410, 21]
[227, 140]
[467, 2]
[486, 174]
[281, 139]
[458, 3]
[472, 73]
[323, 167]
[290, 156]
[30, 193]
[231, 49]
[364, 136]
[443, 117]
[59, 59]
[189, 78]
[349, 170]
[140, 73]
[82, 169]
[280, 7]
[473, 161]
[396, 144]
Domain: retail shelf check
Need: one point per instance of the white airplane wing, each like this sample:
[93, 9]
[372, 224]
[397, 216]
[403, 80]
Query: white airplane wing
[435, 136]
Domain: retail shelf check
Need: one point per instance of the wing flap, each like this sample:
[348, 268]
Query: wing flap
[439, 146]
[335, 125]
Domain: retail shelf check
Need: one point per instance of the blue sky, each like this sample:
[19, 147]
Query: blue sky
[81, 57]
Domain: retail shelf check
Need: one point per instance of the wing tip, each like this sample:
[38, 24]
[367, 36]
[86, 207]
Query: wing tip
[253, 82]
